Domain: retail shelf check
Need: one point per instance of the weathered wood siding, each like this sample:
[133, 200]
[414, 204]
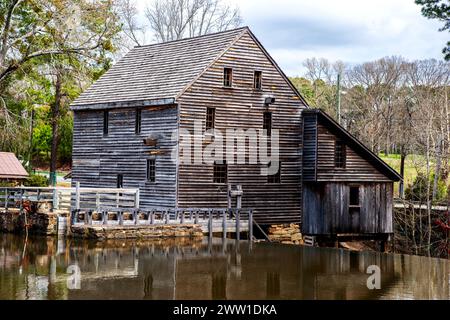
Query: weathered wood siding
[326, 209]
[309, 147]
[356, 167]
[98, 159]
[243, 107]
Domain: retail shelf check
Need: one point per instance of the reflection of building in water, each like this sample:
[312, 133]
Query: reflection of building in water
[202, 270]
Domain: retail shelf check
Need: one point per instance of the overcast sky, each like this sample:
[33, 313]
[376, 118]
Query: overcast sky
[349, 30]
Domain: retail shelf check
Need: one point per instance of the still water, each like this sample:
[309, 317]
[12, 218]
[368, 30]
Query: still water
[50, 268]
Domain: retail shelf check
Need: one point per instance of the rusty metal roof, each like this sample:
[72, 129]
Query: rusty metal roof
[10, 167]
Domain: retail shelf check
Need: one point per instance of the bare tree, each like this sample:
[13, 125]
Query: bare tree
[177, 19]
[133, 30]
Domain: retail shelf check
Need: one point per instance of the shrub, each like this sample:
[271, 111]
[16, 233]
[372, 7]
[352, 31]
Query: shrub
[36, 180]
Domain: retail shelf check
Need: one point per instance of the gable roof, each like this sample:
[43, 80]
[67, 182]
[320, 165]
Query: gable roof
[10, 167]
[159, 73]
[353, 142]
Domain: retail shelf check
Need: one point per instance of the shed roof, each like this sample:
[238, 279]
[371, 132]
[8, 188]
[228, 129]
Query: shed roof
[10, 167]
[157, 72]
[357, 145]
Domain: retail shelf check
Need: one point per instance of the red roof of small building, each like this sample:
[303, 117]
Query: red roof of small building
[10, 167]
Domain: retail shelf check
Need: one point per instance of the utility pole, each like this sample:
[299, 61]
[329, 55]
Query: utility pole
[338, 98]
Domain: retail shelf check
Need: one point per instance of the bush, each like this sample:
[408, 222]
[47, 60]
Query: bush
[36, 180]
[417, 191]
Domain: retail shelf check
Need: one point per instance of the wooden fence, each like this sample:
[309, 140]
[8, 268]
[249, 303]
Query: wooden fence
[68, 198]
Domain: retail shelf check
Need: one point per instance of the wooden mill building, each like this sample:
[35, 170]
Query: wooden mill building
[127, 126]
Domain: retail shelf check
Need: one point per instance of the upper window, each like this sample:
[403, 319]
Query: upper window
[105, 122]
[210, 118]
[227, 77]
[138, 121]
[354, 195]
[257, 80]
[120, 181]
[220, 172]
[339, 154]
[267, 123]
[151, 170]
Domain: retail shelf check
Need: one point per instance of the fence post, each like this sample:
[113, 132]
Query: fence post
[152, 217]
[55, 199]
[77, 196]
[224, 224]
[137, 199]
[196, 217]
[120, 213]
[167, 216]
[6, 199]
[210, 226]
[182, 217]
[97, 201]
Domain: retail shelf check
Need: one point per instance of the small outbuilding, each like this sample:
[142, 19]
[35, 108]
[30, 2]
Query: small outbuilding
[347, 189]
[10, 167]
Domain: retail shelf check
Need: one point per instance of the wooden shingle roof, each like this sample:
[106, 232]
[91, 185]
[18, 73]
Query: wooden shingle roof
[157, 73]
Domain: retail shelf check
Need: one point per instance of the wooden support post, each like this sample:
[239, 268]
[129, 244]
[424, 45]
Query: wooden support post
[6, 199]
[120, 213]
[224, 224]
[182, 216]
[250, 225]
[136, 217]
[97, 201]
[151, 217]
[117, 199]
[239, 197]
[137, 199]
[238, 225]
[190, 215]
[167, 216]
[77, 196]
[105, 217]
[55, 199]
[196, 217]
[210, 226]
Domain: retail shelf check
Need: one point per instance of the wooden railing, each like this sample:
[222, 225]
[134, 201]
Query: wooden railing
[211, 220]
[70, 198]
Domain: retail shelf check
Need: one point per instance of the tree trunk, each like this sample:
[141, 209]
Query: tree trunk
[401, 189]
[56, 107]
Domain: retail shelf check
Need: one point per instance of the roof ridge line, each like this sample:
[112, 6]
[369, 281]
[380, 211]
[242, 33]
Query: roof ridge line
[190, 38]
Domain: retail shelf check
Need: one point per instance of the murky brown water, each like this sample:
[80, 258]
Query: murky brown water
[48, 268]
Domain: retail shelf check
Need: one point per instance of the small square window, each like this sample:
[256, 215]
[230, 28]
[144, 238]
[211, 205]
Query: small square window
[274, 178]
[257, 80]
[228, 77]
[339, 154]
[210, 118]
[138, 121]
[151, 170]
[220, 172]
[105, 122]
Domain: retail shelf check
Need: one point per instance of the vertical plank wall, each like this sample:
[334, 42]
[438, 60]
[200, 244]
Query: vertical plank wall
[243, 107]
[327, 211]
[98, 159]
